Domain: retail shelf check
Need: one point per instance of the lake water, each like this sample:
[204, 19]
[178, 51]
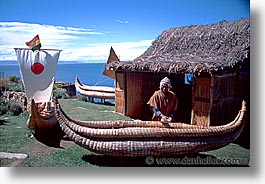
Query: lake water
[88, 73]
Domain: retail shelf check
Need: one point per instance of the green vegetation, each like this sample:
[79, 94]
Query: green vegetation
[7, 106]
[10, 107]
[60, 93]
[13, 83]
[15, 137]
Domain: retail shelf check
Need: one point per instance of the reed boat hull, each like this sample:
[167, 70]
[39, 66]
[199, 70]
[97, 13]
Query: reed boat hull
[95, 91]
[148, 138]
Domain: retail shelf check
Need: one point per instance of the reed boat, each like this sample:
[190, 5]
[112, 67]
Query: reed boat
[148, 138]
[103, 92]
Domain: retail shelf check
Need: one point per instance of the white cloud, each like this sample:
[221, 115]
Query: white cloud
[122, 21]
[14, 34]
[100, 51]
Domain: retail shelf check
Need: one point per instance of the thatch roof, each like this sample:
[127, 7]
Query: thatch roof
[196, 48]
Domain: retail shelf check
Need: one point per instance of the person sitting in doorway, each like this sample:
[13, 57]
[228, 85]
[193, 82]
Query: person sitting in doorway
[163, 102]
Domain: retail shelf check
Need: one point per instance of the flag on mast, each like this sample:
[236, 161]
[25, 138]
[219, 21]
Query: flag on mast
[34, 44]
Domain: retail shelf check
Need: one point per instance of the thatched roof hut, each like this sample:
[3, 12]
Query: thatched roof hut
[203, 48]
[217, 55]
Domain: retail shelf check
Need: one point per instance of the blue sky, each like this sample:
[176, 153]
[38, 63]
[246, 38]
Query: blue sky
[85, 29]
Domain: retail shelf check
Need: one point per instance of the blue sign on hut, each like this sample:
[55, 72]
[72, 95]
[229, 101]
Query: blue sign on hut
[208, 65]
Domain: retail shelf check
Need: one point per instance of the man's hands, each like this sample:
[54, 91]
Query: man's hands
[165, 118]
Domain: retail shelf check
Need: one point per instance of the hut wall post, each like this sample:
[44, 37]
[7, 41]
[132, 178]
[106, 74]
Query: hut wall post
[120, 92]
[201, 101]
[212, 84]
[133, 94]
[213, 101]
[224, 107]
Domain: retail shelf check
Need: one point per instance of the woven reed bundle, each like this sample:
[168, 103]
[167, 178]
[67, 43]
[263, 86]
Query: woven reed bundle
[132, 141]
[125, 124]
[148, 132]
[121, 123]
[136, 123]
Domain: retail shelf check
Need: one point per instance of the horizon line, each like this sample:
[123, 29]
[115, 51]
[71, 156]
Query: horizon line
[65, 61]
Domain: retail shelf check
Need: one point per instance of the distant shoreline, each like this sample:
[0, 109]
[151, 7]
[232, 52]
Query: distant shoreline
[89, 73]
[14, 62]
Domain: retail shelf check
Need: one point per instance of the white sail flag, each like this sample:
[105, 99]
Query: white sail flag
[38, 71]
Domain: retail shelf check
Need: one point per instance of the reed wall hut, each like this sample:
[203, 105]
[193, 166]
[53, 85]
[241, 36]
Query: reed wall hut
[217, 56]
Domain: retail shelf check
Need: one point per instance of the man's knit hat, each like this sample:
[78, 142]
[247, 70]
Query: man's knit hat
[165, 81]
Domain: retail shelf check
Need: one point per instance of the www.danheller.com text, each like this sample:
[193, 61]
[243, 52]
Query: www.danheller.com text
[191, 161]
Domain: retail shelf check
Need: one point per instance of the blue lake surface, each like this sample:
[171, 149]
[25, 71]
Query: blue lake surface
[88, 73]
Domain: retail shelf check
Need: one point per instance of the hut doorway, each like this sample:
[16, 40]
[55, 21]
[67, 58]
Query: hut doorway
[182, 91]
[134, 89]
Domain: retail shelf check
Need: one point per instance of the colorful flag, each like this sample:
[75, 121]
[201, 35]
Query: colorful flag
[37, 71]
[34, 44]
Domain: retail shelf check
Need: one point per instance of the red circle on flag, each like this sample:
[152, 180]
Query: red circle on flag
[37, 68]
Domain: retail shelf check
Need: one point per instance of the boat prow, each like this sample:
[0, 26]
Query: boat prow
[42, 116]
